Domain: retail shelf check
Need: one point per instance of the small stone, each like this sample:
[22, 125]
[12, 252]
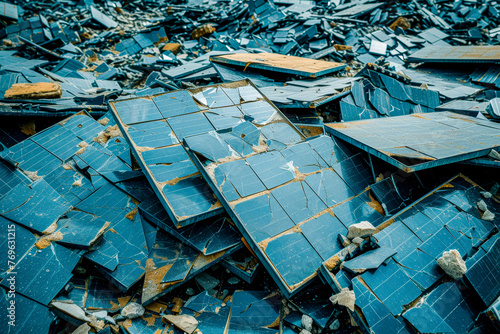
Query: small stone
[132, 310]
[358, 240]
[184, 322]
[233, 280]
[482, 205]
[345, 298]
[361, 229]
[307, 322]
[488, 216]
[190, 292]
[452, 264]
[335, 325]
[33, 91]
[486, 194]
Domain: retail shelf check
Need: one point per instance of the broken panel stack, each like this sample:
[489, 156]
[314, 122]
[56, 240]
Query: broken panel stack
[254, 166]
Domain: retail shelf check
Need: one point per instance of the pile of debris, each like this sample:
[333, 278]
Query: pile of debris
[285, 166]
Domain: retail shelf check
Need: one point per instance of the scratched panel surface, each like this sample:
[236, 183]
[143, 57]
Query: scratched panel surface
[289, 197]
[419, 141]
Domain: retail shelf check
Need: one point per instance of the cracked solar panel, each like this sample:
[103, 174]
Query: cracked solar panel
[420, 141]
[171, 263]
[287, 195]
[409, 283]
[42, 271]
[156, 127]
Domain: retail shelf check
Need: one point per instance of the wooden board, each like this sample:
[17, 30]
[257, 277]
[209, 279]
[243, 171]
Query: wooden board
[280, 63]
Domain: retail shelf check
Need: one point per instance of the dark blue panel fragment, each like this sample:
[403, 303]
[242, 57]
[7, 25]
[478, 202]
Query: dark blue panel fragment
[298, 200]
[191, 124]
[176, 103]
[190, 196]
[272, 169]
[263, 217]
[137, 111]
[152, 134]
[369, 260]
[52, 264]
[330, 187]
[293, 257]
[322, 233]
[35, 207]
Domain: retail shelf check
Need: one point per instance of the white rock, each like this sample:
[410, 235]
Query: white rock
[488, 216]
[482, 205]
[132, 310]
[345, 298]
[362, 229]
[307, 322]
[304, 331]
[486, 194]
[358, 240]
[184, 322]
[452, 264]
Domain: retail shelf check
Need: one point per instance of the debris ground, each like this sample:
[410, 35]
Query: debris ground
[249, 167]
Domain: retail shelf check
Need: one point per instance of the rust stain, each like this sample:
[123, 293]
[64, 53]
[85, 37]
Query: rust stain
[332, 263]
[46, 240]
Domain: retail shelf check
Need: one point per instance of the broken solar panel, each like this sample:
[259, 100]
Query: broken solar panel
[485, 54]
[389, 282]
[172, 263]
[209, 236]
[286, 195]
[408, 142]
[155, 128]
[37, 264]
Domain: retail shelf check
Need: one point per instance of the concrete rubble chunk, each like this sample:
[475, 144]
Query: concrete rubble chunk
[187, 323]
[361, 230]
[486, 194]
[34, 91]
[345, 298]
[452, 263]
[132, 311]
[307, 322]
[488, 216]
[358, 240]
[482, 205]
